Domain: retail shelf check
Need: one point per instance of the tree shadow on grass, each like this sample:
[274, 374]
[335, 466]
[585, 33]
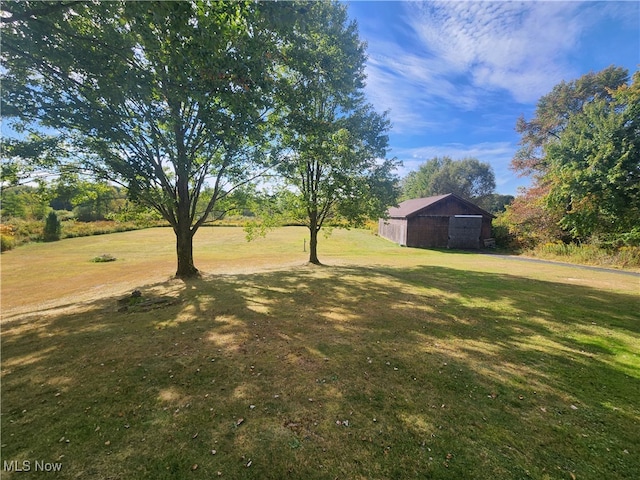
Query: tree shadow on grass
[312, 372]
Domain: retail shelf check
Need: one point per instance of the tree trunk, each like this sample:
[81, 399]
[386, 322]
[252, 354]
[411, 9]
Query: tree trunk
[184, 250]
[184, 232]
[313, 246]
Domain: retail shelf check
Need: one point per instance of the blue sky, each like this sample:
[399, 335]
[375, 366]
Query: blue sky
[456, 75]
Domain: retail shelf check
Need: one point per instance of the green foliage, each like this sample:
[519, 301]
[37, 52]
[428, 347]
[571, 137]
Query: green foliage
[594, 170]
[7, 239]
[525, 223]
[7, 242]
[130, 212]
[494, 203]
[158, 96]
[25, 231]
[25, 158]
[335, 142]
[583, 150]
[74, 229]
[52, 228]
[25, 202]
[94, 201]
[625, 239]
[468, 178]
[13, 204]
[553, 112]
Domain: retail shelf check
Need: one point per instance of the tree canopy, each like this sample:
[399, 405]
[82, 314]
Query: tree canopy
[583, 151]
[553, 112]
[186, 103]
[334, 141]
[162, 97]
[468, 178]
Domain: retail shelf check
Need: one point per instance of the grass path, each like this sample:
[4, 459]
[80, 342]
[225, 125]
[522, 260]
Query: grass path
[387, 363]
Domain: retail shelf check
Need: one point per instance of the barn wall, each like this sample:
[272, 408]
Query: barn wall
[394, 229]
[430, 227]
[428, 231]
[450, 207]
[465, 231]
[487, 229]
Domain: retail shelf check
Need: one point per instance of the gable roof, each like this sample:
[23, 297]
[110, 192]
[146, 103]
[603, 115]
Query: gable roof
[410, 208]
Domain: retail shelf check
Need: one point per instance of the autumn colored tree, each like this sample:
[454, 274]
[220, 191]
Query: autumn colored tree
[553, 112]
[594, 167]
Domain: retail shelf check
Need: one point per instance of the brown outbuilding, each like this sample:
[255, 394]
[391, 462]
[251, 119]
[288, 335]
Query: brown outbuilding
[442, 221]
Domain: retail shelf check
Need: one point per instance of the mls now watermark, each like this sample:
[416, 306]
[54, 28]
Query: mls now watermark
[29, 466]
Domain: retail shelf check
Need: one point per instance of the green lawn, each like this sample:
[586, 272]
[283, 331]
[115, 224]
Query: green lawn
[387, 363]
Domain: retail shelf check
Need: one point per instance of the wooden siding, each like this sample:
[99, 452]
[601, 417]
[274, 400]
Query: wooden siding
[424, 223]
[428, 231]
[449, 207]
[464, 231]
[394, 229]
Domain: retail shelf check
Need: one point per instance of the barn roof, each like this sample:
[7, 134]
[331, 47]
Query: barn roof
[409, 208]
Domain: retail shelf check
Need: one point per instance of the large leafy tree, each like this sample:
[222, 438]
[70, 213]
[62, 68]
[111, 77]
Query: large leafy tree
[553, 112]
[336, 171]
[162, 97]
[468, 178]
[594, 167]
[581, 149]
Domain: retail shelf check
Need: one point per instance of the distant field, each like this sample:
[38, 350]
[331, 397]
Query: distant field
[385, 363]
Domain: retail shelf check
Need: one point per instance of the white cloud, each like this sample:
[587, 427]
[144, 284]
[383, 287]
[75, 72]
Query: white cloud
[517, 47]
[413, 88]
[454, 54]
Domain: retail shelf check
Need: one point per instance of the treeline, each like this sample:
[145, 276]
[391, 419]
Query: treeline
[67, 207]
[70, 206]
[581, 150]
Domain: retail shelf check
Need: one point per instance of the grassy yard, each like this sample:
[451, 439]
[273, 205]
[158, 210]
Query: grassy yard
[387, 363]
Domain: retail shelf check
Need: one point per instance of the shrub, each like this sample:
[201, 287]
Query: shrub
[7, 240]
[25, 231]
[628, 257]
[504, 238]
[6, 243]
[590, 254]
[52, 228]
